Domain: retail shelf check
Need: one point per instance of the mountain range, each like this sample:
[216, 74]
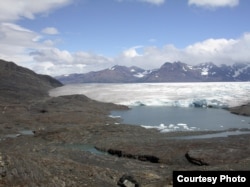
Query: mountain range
[168, 72]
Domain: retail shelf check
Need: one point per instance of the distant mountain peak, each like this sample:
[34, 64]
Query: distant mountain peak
[168, 72]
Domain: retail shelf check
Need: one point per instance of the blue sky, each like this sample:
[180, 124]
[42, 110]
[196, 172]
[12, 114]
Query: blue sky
[76, 36]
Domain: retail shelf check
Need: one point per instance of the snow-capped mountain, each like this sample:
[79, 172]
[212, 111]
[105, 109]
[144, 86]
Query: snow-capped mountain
[236, 72]
[115, 74]
[168, 72]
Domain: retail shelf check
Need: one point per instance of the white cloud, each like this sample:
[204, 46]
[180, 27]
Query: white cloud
[50, 31]
[155, 2]
[57, 62]
[214, 3]
[12, 10]
[131, 52]
[220, 51]
[53, 55]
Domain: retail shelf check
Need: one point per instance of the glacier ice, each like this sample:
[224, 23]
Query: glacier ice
[211, 94]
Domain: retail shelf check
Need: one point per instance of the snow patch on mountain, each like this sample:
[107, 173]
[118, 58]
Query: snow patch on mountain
[204, 71]
[139, 75]
[241, 70]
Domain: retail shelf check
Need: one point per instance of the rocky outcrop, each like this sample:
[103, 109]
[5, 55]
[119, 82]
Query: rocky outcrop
[194, 158]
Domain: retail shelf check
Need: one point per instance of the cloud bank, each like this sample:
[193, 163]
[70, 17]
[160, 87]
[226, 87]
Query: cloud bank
[218, 51]
[30, 49]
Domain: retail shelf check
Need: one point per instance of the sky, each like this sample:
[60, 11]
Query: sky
[57, 37]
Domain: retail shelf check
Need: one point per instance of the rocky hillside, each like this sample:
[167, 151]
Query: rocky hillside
[20, 84]
[168, 72]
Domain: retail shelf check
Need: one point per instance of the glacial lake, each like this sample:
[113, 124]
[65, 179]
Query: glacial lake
[168, 119]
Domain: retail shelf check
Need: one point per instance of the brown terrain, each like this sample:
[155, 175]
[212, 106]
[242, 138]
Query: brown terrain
[72, 141]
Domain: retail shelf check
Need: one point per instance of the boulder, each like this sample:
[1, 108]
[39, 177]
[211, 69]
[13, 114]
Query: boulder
[127, 181]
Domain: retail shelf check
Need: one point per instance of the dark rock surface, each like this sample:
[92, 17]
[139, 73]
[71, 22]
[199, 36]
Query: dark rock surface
[61, 151]
[196, 158]
[119, 153]
[241, 110]
[18, 84]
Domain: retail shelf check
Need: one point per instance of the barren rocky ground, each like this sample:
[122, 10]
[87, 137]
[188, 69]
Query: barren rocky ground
[71, 141]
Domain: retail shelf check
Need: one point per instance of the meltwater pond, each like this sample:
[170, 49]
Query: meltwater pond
[168, 119]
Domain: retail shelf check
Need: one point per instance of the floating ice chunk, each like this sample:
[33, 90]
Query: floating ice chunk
[200, 103]
[148, 127]
[162, 125]
[111, 116]
[172, 127]
[182, 124]
[166, 130]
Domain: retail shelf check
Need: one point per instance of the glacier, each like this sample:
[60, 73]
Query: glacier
[210, 94]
